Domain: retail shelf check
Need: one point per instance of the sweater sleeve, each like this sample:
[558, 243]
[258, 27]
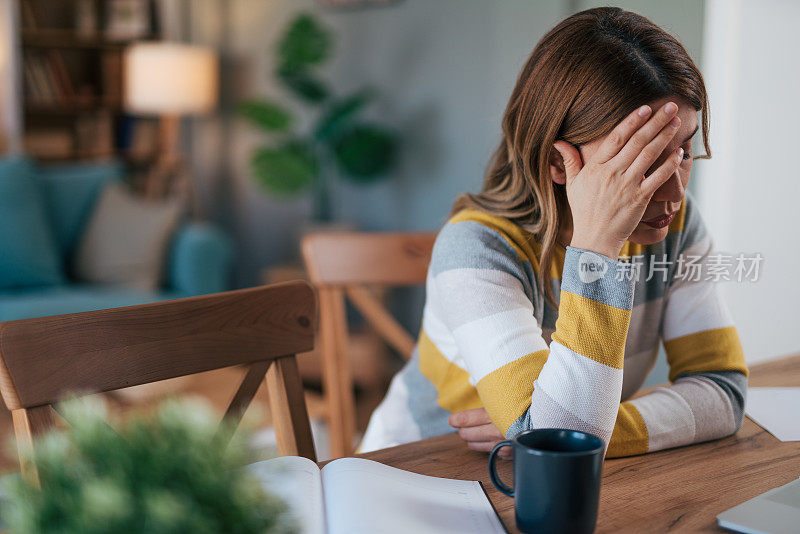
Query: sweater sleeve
[707, 369]
[576, 382]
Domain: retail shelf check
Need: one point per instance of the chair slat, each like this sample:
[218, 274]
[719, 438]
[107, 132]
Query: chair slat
[50, 357]
[381, 320]
[247, 390]
[379, 258]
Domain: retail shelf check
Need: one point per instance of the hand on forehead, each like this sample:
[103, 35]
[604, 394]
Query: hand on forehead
[689, 124]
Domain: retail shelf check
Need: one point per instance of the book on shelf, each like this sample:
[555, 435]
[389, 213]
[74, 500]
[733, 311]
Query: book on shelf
[47, 81]
[40, 84]
[358, 495]
[49, 143]
[28, 17]
[112, 78]
[32, 90]
[60, 77]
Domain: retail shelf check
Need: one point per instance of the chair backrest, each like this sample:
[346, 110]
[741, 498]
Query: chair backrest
[343, 264]
[44, 360]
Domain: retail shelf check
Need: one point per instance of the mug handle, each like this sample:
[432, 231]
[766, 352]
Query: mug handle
[499, 484]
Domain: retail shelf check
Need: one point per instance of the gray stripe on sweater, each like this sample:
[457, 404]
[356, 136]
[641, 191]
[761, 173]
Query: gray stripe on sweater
[455, 248]
[423, 400]
[734, 384]
[607, 288]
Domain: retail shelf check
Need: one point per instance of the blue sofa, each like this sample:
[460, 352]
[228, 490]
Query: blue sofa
[43, 212]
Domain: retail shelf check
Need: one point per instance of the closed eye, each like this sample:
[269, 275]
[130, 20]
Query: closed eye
[692, 134]
[687, 151]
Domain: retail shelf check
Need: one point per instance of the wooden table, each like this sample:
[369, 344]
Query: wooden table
[676, 490]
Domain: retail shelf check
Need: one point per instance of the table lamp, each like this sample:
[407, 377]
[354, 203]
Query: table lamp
[169, 80]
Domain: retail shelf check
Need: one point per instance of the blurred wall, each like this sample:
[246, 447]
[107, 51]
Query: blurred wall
[750, 188]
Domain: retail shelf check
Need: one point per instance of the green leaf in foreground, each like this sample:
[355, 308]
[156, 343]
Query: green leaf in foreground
[166, 473]
[365, 152]
[286, 170]
[265, 114]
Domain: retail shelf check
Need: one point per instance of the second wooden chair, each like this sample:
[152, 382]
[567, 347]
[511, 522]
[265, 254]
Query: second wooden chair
[346, 264]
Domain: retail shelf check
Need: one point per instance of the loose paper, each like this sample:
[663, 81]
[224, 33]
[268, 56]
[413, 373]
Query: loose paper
[777, 410]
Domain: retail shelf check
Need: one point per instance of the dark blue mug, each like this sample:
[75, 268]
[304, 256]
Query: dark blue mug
[557, 475]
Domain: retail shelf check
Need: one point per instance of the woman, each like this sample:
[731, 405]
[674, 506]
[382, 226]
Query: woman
[536, 314]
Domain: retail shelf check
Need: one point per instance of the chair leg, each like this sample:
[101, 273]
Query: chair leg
[288, 405]
[337, 382]
[344, 365]
[30, 423]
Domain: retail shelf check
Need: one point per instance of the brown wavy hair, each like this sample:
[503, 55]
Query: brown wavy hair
[582, 78]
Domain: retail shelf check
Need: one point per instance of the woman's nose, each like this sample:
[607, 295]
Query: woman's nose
[672, 190]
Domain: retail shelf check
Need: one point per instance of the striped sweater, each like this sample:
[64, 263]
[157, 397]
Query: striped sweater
[490, 339]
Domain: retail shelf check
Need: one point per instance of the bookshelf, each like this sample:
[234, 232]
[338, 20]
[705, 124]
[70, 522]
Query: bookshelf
[71, 71]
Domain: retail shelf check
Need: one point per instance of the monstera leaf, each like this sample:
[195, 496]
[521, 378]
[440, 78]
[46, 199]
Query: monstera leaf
[304, 44]
[341, 114]
[265, 114]
[365, 151]
[286, 170]
[304, 85]
[362, 152]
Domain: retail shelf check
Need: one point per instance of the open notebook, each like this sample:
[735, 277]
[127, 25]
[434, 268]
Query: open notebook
[354, 495]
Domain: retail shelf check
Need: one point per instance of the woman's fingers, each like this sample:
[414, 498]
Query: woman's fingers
[487, 432]
[572, 159]
[652, 151]
[644, 136]
[465, 418]
[651, 183]
[620, 135]
[482, 446]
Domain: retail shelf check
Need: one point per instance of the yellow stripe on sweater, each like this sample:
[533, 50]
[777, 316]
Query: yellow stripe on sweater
[630, 433]
[592, 329]
[451, 381]
[718, 349]
[506, 392]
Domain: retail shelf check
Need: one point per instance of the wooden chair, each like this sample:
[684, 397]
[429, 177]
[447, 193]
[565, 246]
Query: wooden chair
[44, 360]
[343, 264]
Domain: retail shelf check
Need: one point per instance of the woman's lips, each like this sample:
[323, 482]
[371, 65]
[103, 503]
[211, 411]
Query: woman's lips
[661, 222]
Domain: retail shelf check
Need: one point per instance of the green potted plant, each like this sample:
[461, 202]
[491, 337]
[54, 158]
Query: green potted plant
[300, 161]
[172, 472]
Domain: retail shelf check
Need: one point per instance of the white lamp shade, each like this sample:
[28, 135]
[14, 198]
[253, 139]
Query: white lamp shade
[170, 79]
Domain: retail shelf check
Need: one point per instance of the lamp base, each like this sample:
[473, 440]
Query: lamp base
[168, 176]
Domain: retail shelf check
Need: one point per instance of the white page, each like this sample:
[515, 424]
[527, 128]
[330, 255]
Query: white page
[777, 410]
[297, 481]
[362, 496]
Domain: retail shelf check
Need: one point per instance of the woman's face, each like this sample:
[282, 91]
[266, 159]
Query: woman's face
[667, 199]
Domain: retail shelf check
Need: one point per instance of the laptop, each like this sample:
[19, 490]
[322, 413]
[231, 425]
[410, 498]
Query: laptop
[774, 512]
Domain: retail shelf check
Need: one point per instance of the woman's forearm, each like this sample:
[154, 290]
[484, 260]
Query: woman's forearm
[695, 408]
[580, 384]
